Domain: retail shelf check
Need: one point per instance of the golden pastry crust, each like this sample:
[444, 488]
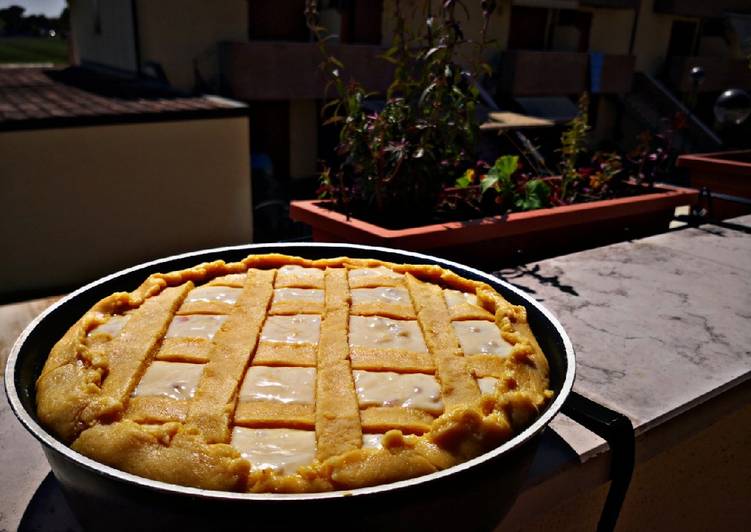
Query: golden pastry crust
[86, 393]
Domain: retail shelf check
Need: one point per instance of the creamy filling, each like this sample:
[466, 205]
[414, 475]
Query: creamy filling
[282, 450]
[208, 294]
[455, 298]
[307, 295]
[372, 441]
[479, 337]
[299, 329]
[411, 390]
[487, 385]
[369, 273]
[195, 326]
[176, 380]
[381, 294]
[281, 385]
[297, 274]
[111, 327]
[385, 333]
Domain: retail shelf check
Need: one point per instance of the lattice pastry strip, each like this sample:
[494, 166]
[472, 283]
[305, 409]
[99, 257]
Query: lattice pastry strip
[128, 354]
[338, 428]
[374, 277]
[391, 359]
[234, 280]
[156, 410]
[294, 276]
[188, 338]
[232, 348]
[388, 301]
[408, 420]
[465, 306]
[289, 341]
[297, 301]
[457, 385]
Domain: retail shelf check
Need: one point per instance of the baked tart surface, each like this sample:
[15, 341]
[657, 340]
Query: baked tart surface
[282, 374]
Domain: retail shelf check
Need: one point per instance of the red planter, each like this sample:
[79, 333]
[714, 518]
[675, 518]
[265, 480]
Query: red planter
[517, 237]
[724, 173]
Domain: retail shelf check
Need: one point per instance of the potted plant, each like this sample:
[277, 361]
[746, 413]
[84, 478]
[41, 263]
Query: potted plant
[724, 173]
[407, 174]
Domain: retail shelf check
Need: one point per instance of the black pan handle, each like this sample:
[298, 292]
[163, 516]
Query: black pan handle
[617, 430]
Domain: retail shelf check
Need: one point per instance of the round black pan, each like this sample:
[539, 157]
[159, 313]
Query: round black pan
[470, 496]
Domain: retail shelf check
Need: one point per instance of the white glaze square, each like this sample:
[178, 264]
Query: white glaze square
[384, 333]
[195, 326]
[286, 385]
[407, 390]
[480, 337]
[298, 329]
[281, 450]
[175, 380]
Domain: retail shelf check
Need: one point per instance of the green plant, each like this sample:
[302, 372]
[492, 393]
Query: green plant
[397, 160]
[573, 143]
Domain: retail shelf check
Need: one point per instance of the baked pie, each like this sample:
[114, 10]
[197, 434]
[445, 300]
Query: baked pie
[281, 374]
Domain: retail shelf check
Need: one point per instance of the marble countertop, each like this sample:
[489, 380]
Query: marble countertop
[660, 326]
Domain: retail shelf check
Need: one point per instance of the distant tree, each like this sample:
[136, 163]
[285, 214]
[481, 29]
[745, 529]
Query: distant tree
[13, 22]
[12, 18]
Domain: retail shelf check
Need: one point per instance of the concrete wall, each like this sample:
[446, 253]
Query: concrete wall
[113, 44]
[79, 203]
[611, 30]
[652, 37]
[303, 138]
[175, 33]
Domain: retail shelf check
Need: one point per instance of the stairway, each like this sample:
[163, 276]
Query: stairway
[650, 103]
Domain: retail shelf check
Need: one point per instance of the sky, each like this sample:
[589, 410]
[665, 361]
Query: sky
[51, 8]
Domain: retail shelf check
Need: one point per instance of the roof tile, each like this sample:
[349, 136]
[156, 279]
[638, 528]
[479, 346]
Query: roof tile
[28, 94]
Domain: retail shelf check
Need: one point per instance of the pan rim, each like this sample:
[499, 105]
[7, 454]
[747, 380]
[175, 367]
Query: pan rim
[30, 424]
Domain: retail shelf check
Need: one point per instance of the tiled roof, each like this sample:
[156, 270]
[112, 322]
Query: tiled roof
[41, 97]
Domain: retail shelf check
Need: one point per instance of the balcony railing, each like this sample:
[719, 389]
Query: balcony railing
[699, 8]
[719, 73]
[263, 70]
[534, 73]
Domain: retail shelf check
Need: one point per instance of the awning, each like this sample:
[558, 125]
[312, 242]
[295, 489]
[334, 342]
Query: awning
[502, 120]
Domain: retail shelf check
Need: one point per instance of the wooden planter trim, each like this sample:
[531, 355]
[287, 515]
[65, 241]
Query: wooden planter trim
[717, 163]
[455, 233]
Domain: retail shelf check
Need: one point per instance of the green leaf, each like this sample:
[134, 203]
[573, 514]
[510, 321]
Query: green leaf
[506, 165]
[333, 120]
[426, 92]
[488, 181]
[433, 50]
[536, 195]
[465, 180]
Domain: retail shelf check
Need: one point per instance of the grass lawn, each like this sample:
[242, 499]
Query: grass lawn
[33, 50]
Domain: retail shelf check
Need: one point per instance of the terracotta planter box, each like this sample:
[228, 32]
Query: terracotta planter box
[517, 237]
[724, 173]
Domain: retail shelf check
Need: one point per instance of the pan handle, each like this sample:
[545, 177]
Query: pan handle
[617, 430]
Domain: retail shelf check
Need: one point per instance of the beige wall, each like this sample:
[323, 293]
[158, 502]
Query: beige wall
[652, 37]
[303, 138]
[611, 30]
[114, 45]
[79, 203]
[174, 33]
